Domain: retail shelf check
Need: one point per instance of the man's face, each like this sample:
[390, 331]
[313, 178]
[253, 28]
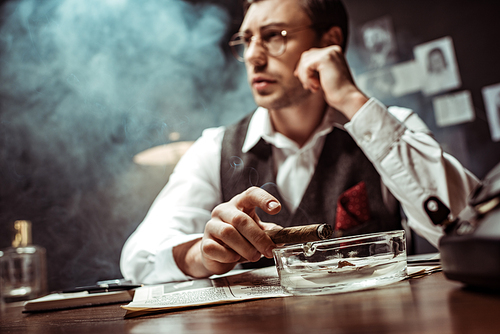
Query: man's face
[273, 83]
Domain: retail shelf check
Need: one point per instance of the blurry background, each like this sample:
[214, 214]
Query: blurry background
[87, 85]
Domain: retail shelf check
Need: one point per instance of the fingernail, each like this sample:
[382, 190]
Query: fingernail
[273, 205]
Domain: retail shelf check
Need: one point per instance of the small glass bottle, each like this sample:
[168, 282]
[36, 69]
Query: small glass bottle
[22, 266]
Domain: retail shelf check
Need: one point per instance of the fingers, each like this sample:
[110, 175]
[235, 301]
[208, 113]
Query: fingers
[223, 246]
[216, 258]
[235, 233]
[320, 66]
[307, 71]
[254, 197]
[326, 70]
[269, 226]
[215, 250]
[240, 231]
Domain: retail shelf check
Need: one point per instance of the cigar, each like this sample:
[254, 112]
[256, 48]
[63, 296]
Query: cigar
[300, 234]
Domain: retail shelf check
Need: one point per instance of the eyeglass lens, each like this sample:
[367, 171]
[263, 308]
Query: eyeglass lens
[274, 42]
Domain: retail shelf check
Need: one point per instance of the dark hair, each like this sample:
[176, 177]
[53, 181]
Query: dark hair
[436, 51]
[324, 14]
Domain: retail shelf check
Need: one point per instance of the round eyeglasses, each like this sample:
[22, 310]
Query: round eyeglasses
[272, 40]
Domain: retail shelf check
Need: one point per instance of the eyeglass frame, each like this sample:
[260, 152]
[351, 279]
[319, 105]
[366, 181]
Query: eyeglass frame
[283, 33]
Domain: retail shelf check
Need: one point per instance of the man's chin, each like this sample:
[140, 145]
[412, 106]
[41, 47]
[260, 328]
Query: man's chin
[268, 104]
[269, 100]
[263, 100]
[275, 100]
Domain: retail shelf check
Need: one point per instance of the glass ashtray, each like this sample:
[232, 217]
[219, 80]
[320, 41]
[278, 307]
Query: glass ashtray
[343, 264]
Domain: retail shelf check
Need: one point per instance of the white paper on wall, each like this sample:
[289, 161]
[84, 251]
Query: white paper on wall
[408, 78]
[398, 80]
[491, 96]
[379, 83]
[453, 109]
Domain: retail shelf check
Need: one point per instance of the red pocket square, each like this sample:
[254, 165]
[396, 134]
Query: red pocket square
[352, 207]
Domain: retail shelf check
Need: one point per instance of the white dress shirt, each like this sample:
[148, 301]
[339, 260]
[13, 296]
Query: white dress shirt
[411, 163]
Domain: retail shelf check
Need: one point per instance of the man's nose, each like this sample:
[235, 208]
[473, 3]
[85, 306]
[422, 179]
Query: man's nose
[255, 53]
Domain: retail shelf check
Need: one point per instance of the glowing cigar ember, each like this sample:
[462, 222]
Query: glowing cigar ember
[300, 234]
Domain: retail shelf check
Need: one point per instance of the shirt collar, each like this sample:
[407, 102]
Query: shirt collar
[260, 127]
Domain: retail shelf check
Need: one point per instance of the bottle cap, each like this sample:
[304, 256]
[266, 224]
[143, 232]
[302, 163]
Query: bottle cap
[23, 233]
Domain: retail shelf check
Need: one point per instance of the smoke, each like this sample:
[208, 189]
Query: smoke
[86, 85]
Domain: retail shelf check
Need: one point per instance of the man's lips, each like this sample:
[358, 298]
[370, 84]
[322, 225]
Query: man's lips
[262, 82]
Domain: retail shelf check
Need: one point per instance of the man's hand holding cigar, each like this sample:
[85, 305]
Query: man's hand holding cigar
[236, 234]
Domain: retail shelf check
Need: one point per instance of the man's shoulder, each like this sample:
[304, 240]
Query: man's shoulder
[215, 135]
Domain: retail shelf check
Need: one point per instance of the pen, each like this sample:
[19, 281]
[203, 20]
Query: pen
[102, 288]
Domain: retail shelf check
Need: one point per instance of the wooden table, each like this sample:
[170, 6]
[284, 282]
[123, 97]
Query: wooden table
[430, 304]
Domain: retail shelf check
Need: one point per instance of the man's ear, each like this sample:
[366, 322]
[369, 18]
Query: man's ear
[333, 36]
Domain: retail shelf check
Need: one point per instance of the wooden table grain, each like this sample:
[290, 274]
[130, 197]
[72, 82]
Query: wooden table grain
[431, 304]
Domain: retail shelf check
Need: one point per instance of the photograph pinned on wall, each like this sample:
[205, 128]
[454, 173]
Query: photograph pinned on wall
[491, 96]
[408, 78]
[452, 109]
[438, 62]
[379, 42]
[378, 83]
[395, 81]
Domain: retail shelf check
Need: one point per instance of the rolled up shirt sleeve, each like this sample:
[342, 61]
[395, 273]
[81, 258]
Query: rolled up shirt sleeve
[178, 214]
[412, 165]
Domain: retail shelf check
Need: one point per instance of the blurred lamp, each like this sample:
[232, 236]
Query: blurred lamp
[163, 155]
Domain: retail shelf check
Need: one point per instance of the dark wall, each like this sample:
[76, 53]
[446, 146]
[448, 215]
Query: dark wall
[475, 31]
[86, 85]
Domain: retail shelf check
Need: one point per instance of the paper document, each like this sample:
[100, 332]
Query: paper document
[453, 108]
[249, 285]
[254, 284]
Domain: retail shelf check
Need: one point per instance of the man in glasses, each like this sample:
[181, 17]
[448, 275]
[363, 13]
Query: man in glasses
[316, 148]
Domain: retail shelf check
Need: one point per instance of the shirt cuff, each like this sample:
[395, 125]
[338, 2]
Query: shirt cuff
[166, 269]
[374, 129]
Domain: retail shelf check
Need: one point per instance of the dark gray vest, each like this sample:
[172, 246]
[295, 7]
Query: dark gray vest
[341, 166]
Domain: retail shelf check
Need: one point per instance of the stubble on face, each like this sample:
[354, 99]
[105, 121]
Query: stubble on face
[287, 94]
